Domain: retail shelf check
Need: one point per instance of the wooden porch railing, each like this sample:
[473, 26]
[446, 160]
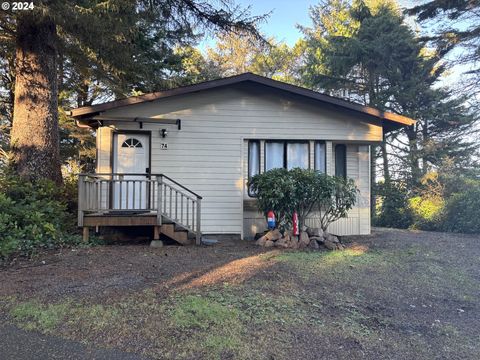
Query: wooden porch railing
[107, 193]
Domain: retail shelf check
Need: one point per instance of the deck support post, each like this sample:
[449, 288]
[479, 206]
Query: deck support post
[156, 233]
[86, 233]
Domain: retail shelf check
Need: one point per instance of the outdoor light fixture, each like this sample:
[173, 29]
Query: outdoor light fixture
[164, 133]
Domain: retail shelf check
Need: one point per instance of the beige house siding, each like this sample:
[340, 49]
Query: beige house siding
[209, 154]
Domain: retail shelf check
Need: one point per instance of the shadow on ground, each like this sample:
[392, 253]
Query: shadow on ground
[394, 294]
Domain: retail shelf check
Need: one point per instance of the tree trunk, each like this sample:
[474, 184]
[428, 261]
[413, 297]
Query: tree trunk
[385, 165]
[413, 159]
[35, 138]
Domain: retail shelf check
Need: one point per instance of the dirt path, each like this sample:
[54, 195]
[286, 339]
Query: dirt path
[19, 344]
[392, 295]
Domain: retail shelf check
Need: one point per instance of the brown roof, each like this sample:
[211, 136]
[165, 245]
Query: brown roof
[392, 121]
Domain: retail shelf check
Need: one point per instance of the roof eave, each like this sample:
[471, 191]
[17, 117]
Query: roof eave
[391, 120]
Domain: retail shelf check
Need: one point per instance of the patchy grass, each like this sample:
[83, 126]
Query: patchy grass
[399, 295]
[199, 312]
[35, 316]
[219, 345]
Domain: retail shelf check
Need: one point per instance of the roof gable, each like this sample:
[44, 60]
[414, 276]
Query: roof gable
[391, 121]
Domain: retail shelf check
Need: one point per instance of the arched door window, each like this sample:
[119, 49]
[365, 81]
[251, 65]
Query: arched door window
[132, 143]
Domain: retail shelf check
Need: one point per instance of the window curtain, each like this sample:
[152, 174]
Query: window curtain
[253, 162]
[320, 156]
[297, 155]
[253, 158]
[274, 155]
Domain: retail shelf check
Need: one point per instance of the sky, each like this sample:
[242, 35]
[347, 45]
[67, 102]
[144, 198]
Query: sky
[286, 14]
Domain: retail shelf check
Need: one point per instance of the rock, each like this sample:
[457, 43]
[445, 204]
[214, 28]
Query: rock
[281, 241]
[259, 235]
[273, 235]
[330, 245]
[304, 238]
[294, 242]
[313, 244]
[319, 239]
[315, 232]
[269, 243]
[156, 243]
[261, 241]
[282, 244]
[331, 237]
[303, 241]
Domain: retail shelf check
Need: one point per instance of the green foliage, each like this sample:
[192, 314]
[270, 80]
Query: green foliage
[427, 212]
[238, 53]
[392, 208]
[428, 205]
[455, 26]
[273, 190]
[336, 196]
[366, 52]
[286, 191]
[462, 211]
[33, 217]
[442, 202]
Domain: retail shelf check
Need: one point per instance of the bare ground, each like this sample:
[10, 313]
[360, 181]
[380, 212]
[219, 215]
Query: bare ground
[392, 295]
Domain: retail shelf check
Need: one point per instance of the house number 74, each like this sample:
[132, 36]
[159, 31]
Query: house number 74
[164, 146]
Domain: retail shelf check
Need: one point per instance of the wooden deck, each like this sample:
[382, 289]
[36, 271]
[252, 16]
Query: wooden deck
[155, 200]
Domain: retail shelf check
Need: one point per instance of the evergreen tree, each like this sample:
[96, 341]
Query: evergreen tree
[369, 55]
[238, 53]
[123, 44]
[456, 29]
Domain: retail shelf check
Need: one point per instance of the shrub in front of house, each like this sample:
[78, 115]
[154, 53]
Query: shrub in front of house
[33, 216]
[305, 192]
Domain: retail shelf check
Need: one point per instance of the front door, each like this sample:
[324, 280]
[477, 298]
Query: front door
[131, 156]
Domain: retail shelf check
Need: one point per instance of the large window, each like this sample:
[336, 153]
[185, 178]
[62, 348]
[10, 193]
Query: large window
[253, 161]
[341, 160]
[320, 157]
[283, 154]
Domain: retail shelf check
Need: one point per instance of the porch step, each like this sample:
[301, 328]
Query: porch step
[174, 233]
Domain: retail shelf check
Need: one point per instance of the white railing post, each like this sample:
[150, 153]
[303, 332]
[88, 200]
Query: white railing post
[198, 235]
[159, 199]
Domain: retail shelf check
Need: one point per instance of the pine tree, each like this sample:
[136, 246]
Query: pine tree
[239, 53]
[368, 55]
[126, 45]
[456, 28]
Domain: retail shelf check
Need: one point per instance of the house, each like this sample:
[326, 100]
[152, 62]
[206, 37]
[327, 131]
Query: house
[189, 152]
